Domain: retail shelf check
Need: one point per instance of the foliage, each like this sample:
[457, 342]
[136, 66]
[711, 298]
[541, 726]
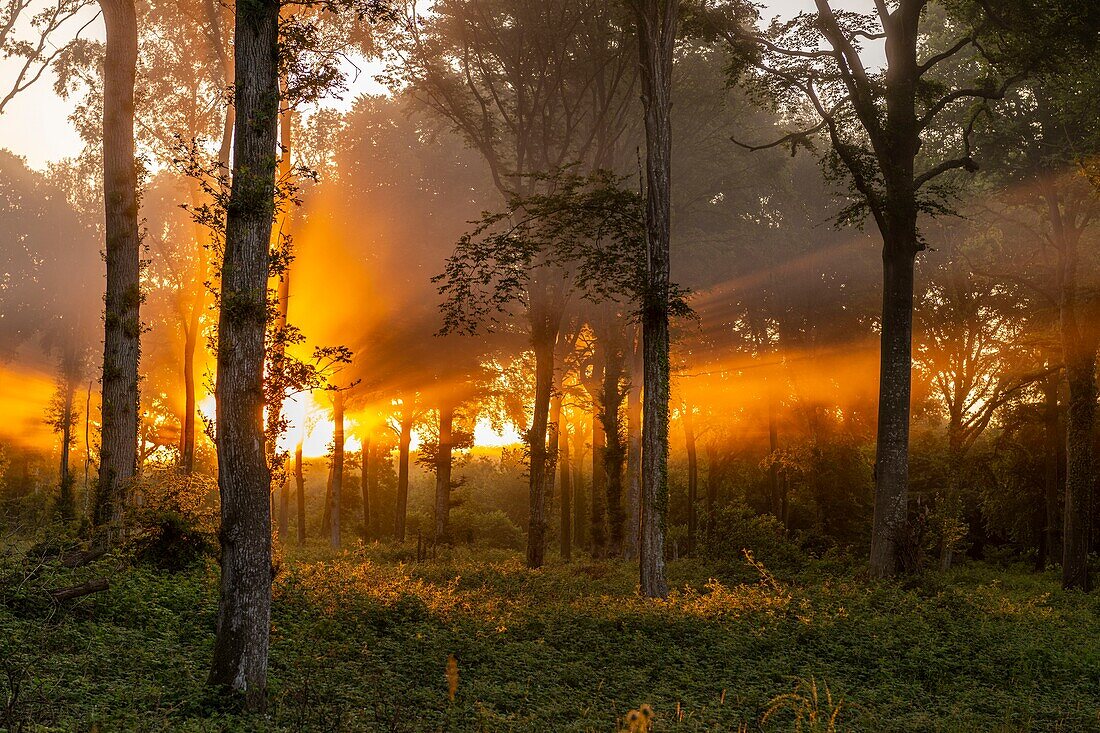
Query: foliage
[590, 227]
[361, 643]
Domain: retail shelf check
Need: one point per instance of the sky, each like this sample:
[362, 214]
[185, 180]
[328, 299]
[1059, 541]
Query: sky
[35, 124]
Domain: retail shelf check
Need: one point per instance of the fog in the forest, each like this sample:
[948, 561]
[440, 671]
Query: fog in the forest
[775, 369]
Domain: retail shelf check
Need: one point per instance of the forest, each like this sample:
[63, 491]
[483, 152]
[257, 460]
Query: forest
[549, 365]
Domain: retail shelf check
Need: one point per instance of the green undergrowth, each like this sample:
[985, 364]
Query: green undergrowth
[361, 641]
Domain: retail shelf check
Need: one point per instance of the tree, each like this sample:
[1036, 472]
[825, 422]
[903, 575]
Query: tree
[244, 607]
[585, 235]
[1050, 140]
[876, 123]
[657, 22]
[122, 319]
[532, 87]
[36, 52]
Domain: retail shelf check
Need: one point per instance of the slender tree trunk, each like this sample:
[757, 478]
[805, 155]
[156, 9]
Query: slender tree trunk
[544, 334]
[337, 465]
[284, 509]
[693, 479]
[190, 347]
[1052, 475]
[657, 22]
[1080, 433]
[372, 490]
[300, 485]
[443, 473]
[198, 298]
[712, 490]
[122, 318]
[364, 485]
[566, 489]
[65, 502]
[1078, 336]
[775, 500]
[597, 526]
[895, 381]
[402, 509]
[634, 452]
[614, 454]
[580, 503]
[244, 608]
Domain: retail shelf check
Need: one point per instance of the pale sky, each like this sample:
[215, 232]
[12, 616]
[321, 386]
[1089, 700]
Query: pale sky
[35, 124]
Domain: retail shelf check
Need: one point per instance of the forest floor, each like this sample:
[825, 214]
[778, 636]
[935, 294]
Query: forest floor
[361, 641]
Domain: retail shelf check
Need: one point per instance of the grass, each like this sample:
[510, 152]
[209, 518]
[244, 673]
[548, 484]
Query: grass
[361, 642]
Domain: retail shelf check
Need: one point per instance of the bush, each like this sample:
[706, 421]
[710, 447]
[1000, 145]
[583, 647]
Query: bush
[737, 529]
[485, 529]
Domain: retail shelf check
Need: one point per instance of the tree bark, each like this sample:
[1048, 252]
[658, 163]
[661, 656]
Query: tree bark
[597, 499]
[614, 454]
[580, 503]
[1052, 474]
[401, 512]
[244, 608]
[544, 333]
[122, 318]
[566, 490]
[337, 466]
[692, 478]
[895, 384]
[443, 473]
[65, 500]
[657, 22]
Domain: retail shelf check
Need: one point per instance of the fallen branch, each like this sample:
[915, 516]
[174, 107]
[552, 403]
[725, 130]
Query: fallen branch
[77, 558]
[95, 585]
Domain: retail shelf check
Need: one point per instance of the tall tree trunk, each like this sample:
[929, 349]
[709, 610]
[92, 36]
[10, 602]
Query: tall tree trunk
[443, 473]
[634, 451]
[1080, 430]
[1078, 336]
[300, 485]
[190, 348]
[597, 499]
[614, 454]
[713, 470]
[198, 298]
[401, 511]
[365, 487]
[657, 22]
[244, 608]
[1052, 474]
[122, 317]
[775, 501]
[693, 479]
[580, 503]
[337, 465]
[65, 501]
[895, 382]
[284, 509]
[566, 489]
[544, 334]
[277, 361]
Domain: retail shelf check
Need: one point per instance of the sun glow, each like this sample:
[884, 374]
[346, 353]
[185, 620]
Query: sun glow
[309, 420]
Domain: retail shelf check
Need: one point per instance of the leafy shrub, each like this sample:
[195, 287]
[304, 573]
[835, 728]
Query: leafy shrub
[177, 521]
[485, 529]
[738, 528]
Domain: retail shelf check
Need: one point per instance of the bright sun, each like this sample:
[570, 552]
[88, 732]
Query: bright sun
[309, 420]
